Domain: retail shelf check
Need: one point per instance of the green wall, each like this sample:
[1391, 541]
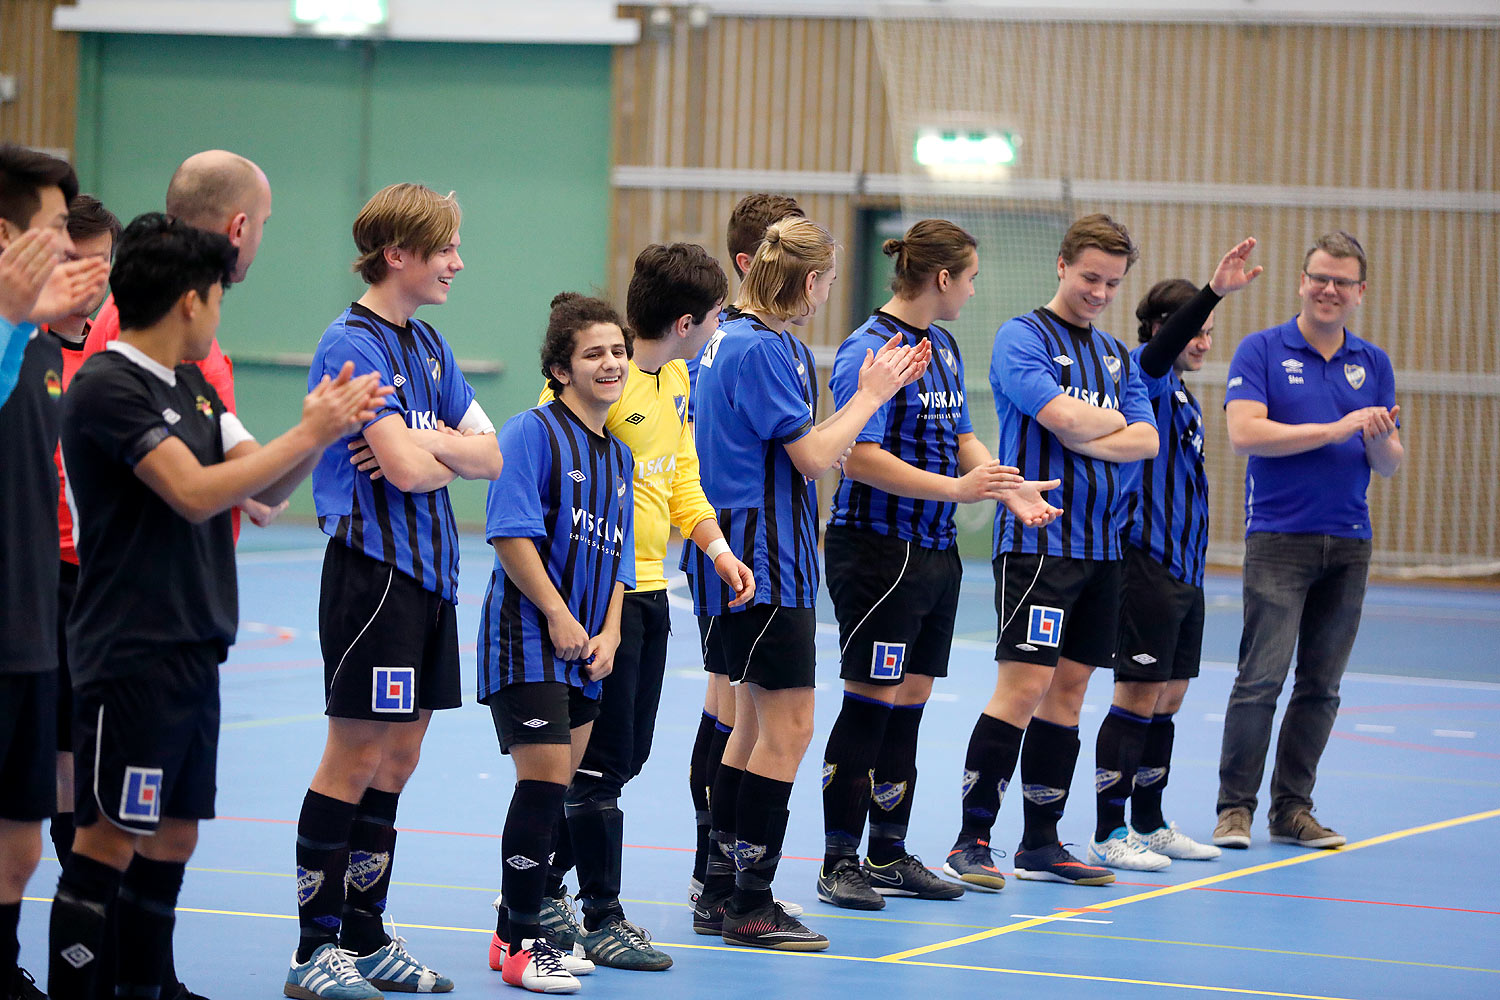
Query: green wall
[521, 132]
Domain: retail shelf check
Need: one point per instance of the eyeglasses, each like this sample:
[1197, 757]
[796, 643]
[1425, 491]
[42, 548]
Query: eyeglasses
[1342, 284]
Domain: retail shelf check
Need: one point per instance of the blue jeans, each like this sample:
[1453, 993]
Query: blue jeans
[1304, 592]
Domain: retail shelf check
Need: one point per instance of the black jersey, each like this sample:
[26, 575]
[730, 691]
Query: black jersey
[148, 577]
[28, 511]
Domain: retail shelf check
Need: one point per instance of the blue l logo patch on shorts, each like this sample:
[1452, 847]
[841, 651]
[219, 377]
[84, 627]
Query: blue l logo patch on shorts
[140, 798]
[1046, 626]
[393, 689]
[885, 663]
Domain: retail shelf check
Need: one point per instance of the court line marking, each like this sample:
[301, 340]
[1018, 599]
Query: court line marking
[1385, 838]
[1266, 951]
[1077, 977]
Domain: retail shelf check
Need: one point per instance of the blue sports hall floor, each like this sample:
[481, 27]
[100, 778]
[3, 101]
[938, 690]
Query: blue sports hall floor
[1408, 909]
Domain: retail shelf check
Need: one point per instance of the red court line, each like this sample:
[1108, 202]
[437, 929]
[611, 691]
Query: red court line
[1378, 741]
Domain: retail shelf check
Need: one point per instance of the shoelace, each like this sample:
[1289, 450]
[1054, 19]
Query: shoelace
[635, 935]
[340, 965]
[569, 916]
[547, 958]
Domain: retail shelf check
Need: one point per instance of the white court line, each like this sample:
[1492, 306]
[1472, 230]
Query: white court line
[1454, 734]
[1059, 920]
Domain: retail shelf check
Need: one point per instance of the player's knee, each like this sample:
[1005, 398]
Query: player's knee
[20, 856]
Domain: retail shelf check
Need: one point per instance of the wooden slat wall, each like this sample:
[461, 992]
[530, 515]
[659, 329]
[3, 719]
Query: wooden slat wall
[45, 65]
[1414, 109]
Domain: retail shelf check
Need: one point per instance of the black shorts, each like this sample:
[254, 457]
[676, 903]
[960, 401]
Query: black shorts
[1161, 623]
[895, 602]
[1050, 607]
[67, 590]
[147, 745]
[28, 746]
[539, 712]
[390, 646]
[770, 646]
[709, 640]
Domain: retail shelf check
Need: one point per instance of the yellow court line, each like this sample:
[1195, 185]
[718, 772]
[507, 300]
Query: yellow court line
[1170, 890]
[1265, 951]
[822, 955]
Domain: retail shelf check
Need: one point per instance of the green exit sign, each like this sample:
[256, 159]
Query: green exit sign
[340, 16]
[965, 148]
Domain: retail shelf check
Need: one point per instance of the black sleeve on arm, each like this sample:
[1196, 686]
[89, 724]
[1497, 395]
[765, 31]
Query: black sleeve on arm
[1180, 327]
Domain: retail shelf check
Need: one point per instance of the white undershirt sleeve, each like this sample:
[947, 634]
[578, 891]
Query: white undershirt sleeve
[232, 432]
[475, 420]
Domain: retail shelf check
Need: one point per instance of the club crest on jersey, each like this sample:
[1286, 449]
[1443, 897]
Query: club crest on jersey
[203, 406]
[392, 689]
[948, 359]
[886, 661]
[366, 867]
[435, 367]
[971, 778]
[53, 384]
[1046, 626]
[619, 486]
[1042, 795]
[1113, 364]
[681, 403]
[829, 770]
[140, 798]
[888, 795]
[1063, 360]
[1354, 375]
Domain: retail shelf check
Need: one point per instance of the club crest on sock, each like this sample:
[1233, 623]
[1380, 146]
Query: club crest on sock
[1105, 778]
[829, 770]
[1042, 795]
[309, 881]
[747, 854]
[366, 868]
[1149, 775]
[888, 795]
[971, 778]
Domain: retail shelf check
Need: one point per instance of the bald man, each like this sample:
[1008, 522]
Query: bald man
[221, 192]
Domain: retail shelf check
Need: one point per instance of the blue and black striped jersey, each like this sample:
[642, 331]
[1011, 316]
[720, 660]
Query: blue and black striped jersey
[570, 491]
[1037, 358]
[919, 425]
[1166, 512]
[757, 392]
[414, 532]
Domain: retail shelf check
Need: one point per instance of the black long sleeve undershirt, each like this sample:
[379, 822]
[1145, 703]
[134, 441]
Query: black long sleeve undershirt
[1180, 327]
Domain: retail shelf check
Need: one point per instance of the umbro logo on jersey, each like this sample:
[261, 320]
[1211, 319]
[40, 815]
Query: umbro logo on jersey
[170, 415]
[1292, 365]
[521, 862]
[399, 380]
[1063, 360]
[577, 476]
[76, 955]
[635, 418]
[534, 723]
[1181, 397]
[1144, 659]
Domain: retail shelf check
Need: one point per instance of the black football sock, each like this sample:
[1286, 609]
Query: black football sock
[761, 829]
[699, 787]
[1117, 754]
[893, 785]
[86, 892]
[61, 830]
[989, 764]
[598, 831]
[853, 747]
[10, 944]
[530, 827]
[1151, 777]
[1048, 756]
[147, 908]
[561, 858]
[723, 805]
[322, 858]
[372, 851]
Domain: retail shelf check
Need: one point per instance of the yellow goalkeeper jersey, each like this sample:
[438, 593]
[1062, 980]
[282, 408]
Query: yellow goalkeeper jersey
[651, 418]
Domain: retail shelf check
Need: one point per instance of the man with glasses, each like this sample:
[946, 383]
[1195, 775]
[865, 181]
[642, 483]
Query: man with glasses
[1313, 406]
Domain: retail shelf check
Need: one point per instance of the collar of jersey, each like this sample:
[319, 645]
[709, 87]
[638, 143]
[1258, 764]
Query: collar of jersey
[1292, 337]
[901, 325]
[567, 414]
[139, 358]
[1076, 332]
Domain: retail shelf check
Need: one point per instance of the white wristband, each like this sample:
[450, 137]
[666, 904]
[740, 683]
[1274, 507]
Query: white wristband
[716, 548]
